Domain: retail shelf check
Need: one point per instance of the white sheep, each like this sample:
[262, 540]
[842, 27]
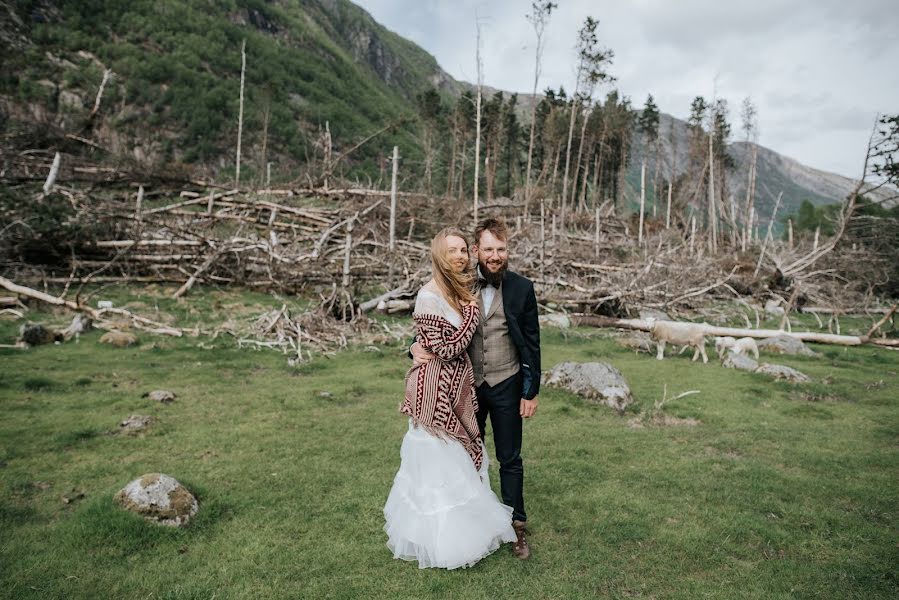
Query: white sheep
[686, 334]
[744, 345]
[723, 343]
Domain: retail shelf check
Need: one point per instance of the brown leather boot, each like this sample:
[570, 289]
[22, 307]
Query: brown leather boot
[520, 548]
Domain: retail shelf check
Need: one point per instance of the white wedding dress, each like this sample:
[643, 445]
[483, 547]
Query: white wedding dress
[441, 510]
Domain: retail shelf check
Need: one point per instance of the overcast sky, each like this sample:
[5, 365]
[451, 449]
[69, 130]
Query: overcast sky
[818, 70]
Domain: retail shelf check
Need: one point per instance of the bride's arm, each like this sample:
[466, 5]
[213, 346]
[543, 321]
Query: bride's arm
[445, 343]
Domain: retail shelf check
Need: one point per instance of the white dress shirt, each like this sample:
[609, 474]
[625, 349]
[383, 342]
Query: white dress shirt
[488, 293]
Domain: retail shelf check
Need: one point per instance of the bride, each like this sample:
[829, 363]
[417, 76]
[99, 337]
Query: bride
[441, 510]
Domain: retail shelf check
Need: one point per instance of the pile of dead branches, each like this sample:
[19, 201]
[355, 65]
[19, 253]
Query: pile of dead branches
[335, 243]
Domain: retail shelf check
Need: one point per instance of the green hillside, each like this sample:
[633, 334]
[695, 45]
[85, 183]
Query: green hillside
[176, 65]
[172, 103]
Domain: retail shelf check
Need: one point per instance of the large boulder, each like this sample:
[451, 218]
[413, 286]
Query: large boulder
[596, 381]
[783, 372]
[786, 344]
[739, 361]
[159, 498]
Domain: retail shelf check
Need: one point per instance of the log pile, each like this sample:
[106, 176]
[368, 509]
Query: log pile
[333, 243]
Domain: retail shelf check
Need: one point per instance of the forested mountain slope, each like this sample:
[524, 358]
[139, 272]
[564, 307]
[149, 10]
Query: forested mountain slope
[171, 101]
[174, 91]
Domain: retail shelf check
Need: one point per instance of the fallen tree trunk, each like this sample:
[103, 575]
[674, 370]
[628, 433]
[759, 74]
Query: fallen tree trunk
[374, 302]
[805, 336]
[31, 293]
[97, 315]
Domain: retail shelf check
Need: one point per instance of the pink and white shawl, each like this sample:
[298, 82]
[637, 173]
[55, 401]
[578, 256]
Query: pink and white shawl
[440, 393]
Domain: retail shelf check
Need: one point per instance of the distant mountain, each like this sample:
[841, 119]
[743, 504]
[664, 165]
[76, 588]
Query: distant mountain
[776, 173]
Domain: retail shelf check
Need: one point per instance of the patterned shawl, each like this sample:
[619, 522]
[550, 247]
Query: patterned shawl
[440, 393]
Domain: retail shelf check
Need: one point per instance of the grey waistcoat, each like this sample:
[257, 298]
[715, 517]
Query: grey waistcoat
[492, 352]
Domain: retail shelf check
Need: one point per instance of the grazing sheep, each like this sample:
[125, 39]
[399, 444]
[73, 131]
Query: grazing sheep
[723, 343]
[746, 345]
[686, 334]
[737, 346]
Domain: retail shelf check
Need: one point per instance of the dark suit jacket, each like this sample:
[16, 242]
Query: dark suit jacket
[520, 306]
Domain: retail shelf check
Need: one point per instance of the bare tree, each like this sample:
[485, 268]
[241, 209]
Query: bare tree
[875, 144]
[243, 68]
[538, 18]
[477, 138]
[749, 119]
[591, 64]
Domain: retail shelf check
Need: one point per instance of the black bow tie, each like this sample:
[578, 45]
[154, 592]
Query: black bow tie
[484, 283]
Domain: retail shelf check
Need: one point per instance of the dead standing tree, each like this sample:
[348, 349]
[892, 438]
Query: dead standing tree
[749, 118]
[539, 17]
[243, 68]
[592, 62]
[477, 138]
[848, 208]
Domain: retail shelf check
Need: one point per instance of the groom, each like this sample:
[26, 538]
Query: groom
[505, 354]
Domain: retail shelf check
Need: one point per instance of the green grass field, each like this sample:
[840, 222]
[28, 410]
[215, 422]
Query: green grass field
[782, 491]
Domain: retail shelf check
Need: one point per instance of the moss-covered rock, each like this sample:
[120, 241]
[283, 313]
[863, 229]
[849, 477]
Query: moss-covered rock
[159, 498]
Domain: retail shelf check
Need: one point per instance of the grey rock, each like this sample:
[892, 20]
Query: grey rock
[163, 396]
[651, 313]
[774, 309]
[638, 342]
[783, 372]
[786, 344]
[555, 320]
[596, 381]
[159, 498]
[739, 361]
[135, 424]
[72, 496]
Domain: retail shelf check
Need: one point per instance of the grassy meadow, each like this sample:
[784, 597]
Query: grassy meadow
[782, 491]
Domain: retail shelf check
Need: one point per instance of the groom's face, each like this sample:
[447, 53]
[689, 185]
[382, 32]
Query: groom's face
[492, 253]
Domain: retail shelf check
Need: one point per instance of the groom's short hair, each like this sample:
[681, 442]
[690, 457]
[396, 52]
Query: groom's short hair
[495, 226]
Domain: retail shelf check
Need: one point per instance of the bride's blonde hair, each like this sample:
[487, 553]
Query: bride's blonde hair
[455, 287]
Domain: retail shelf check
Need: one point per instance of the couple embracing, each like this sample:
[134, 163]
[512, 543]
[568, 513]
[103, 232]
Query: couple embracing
[476, 355]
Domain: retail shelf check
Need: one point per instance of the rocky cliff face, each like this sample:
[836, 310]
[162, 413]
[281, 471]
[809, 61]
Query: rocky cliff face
[395, 60]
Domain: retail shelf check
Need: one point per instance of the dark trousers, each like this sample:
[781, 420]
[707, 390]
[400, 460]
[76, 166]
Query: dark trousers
[502, 403]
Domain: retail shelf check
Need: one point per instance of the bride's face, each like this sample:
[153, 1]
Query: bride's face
[456, 253]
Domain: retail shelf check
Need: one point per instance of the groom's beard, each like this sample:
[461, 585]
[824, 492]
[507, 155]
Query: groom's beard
[492, 278]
